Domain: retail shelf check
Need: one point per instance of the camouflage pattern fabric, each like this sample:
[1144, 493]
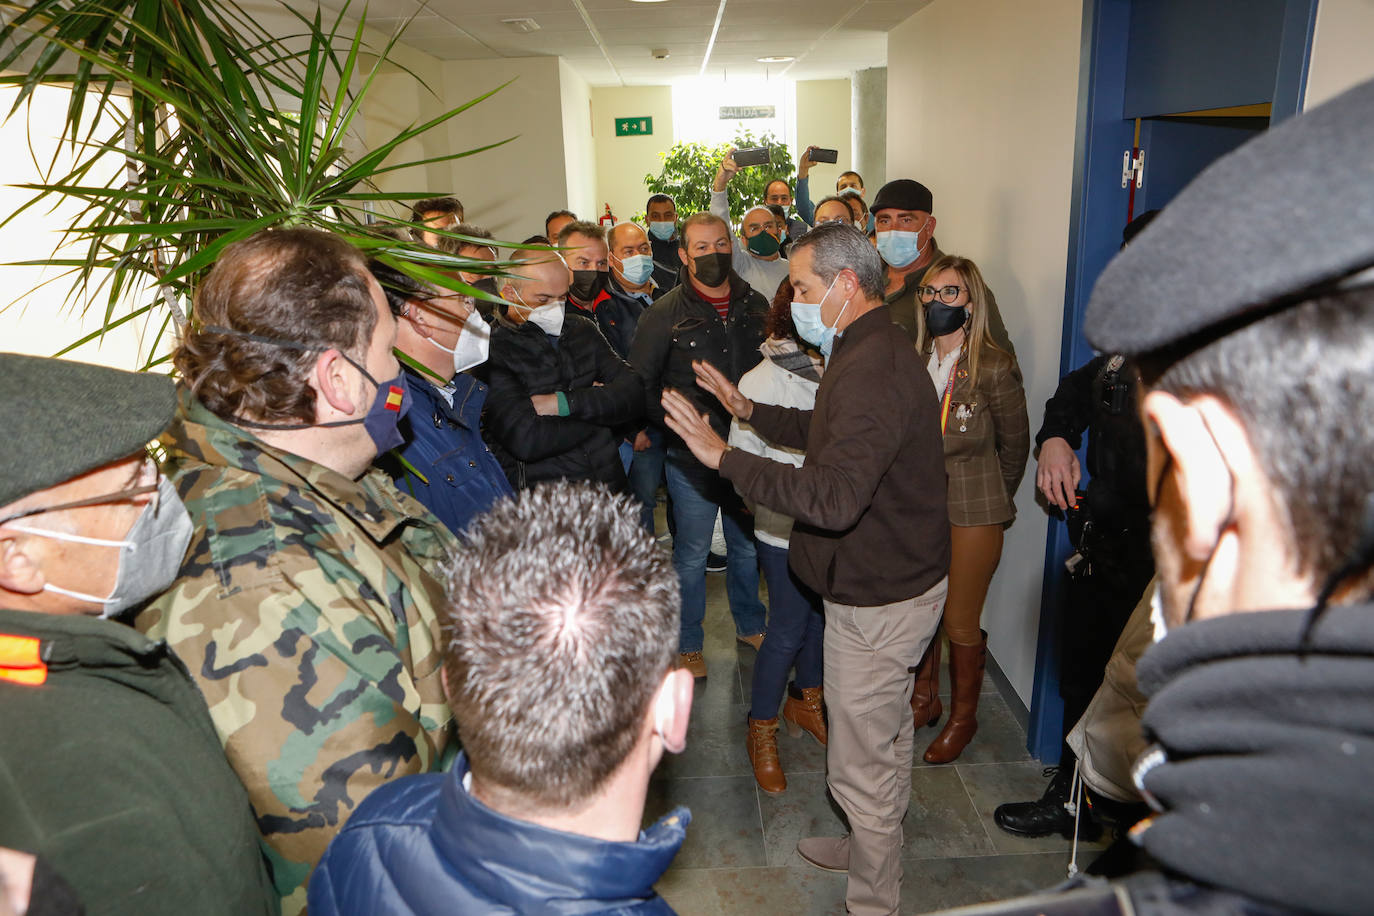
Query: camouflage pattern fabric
[305, 611]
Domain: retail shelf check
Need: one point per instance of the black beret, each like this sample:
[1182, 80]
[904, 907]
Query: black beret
[904, 194]
[62, 419]
[1286, 216]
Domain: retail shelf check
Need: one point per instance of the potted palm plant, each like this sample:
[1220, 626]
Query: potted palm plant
[222, 127]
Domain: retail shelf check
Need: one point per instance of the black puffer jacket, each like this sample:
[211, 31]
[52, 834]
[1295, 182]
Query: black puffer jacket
[601, 393]
[682, 327]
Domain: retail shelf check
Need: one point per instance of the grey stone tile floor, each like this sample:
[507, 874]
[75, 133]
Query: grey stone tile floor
[740, 853]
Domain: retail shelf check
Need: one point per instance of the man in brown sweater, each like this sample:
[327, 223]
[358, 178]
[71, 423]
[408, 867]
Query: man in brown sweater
[872, 535]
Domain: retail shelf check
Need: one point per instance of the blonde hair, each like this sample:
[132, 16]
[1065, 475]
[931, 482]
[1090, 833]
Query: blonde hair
[976, 335]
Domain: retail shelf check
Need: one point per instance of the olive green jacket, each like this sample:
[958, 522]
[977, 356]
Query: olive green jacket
[306, 611]
[111, 771]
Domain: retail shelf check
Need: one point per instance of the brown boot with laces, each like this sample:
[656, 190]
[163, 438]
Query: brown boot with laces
[762, 742]
[805, 711]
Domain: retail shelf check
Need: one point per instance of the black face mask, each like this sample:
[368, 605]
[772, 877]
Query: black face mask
[712, 269]
[588, 284]
[944, 319]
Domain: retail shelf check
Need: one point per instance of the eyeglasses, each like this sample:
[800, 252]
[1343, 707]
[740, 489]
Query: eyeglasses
[103, 499]
[947, 294]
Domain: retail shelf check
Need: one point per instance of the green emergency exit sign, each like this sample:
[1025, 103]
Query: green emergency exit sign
[634, 127]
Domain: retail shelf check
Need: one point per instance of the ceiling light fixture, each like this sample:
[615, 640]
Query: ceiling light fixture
[521, 25]
[775, 59]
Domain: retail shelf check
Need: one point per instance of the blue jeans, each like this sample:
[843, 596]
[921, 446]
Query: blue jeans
[697, 493]
[796, 635]
[646, 473]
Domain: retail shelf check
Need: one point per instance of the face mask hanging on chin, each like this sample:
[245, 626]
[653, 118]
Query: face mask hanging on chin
[382, 420]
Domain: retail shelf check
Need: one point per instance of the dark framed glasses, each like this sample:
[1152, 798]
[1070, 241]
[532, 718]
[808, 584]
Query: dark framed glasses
[946, 294]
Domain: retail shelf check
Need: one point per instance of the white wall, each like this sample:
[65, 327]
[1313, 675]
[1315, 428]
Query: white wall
[622, 162]
[823, 119]
[579, 153]
[1341, 55]
[985, 116]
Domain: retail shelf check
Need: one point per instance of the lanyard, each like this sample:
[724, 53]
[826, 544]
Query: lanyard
[949, 391]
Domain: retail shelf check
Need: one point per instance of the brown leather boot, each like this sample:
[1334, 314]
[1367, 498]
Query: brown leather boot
[762, 742]
[803, 712]
[966, 676]
[925, 696]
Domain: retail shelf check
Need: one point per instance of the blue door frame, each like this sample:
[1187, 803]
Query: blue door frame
[1098, 210]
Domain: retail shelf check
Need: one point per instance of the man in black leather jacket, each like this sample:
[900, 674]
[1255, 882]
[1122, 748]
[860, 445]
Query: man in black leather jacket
[711, 315]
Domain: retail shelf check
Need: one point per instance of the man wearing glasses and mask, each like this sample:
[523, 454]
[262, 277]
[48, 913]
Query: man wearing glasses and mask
[110, 769]
[444, 463]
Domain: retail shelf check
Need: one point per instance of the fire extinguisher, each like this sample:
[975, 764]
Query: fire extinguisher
[607, 218]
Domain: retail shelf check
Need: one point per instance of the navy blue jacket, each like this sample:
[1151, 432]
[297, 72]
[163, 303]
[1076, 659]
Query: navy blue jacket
[424, 845]
[445, 445]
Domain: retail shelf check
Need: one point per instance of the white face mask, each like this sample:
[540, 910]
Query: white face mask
[547, 317]
[473, 344]
[150, 554]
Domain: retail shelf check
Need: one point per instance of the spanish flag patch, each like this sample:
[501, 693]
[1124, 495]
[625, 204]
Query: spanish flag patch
[394, 398]
[20, 662]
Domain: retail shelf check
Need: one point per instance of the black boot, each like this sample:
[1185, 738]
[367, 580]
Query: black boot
[1049, 814]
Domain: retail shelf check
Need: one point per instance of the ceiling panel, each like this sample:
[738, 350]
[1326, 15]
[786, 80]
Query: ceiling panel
[829, 37]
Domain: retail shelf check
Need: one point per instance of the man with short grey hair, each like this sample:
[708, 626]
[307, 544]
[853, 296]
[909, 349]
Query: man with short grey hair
[559, 662]
[872, 535]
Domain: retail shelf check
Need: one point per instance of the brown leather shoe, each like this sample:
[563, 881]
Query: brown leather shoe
[925, 696]
[828, 852]
[694, 662]
[966, 665]
[804, 711]
[753, 639]
[762, 743]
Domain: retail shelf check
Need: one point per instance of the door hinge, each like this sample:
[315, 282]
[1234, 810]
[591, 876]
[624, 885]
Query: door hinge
[1133, 168]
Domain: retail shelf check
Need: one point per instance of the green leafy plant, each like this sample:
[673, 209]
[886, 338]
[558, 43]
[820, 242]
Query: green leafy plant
[223, 129]
[689, 169]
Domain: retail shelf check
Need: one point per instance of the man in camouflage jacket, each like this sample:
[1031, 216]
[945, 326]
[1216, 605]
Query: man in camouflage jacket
[305, 607]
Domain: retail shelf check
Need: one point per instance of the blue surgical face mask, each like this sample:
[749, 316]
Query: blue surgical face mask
[806, 316]
[900, 248]
[637, 268]
[663, 230]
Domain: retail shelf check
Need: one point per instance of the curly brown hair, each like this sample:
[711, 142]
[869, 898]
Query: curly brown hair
[778, 322]
[296, 285]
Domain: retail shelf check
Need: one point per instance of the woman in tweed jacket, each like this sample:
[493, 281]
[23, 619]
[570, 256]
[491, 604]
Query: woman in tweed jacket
[987, 441]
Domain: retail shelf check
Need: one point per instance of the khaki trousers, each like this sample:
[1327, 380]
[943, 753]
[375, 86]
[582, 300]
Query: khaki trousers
[870, 653]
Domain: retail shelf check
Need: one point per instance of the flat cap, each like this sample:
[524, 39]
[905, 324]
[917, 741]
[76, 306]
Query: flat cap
[1286, 216]
[904, 194]
[61, 419]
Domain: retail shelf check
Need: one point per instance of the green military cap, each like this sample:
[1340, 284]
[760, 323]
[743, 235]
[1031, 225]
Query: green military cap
[1282, 219]
[63, 418]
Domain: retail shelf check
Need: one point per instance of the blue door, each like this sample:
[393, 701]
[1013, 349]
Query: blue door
[1183, 82]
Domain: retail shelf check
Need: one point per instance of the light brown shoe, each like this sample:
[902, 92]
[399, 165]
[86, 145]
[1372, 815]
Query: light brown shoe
[694, 662]
[828, 852]
[754, 639]
[762, 743]
[805, 711]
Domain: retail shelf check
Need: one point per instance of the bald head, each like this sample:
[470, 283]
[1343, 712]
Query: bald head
[538, 278]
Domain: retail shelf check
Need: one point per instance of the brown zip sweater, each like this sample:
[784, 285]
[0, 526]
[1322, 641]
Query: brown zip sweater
[870, 502]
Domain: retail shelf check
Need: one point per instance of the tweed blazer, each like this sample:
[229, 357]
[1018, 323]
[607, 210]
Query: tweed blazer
[987, 440]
